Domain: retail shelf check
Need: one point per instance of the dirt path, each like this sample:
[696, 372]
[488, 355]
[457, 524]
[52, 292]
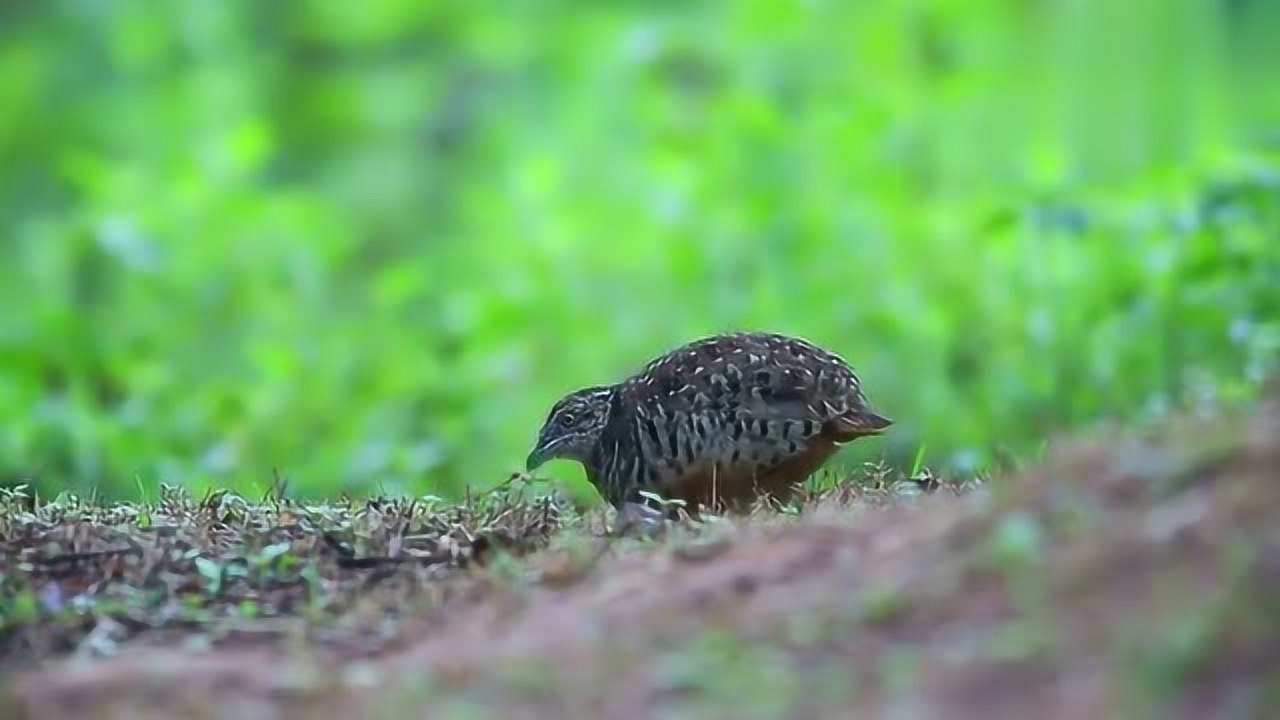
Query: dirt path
[1131, 579]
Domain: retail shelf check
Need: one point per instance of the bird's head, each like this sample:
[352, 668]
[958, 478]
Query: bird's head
[573, 426]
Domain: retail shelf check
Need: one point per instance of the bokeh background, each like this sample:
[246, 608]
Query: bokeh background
[367, 245]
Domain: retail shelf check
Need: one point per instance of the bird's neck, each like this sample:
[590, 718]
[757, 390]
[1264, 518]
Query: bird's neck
[593, 464]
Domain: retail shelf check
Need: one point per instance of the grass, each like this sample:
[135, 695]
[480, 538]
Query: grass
[224, 565]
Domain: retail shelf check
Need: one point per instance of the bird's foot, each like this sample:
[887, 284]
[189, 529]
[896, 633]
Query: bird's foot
[641, 519]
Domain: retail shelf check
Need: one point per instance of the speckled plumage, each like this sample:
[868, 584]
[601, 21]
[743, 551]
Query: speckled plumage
[718, 421]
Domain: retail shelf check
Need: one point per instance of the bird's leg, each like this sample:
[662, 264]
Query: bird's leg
[633, 515]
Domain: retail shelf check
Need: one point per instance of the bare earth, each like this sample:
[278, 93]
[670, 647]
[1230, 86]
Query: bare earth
[1122, 577]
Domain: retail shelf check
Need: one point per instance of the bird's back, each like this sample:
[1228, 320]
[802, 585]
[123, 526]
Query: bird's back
[726, 414]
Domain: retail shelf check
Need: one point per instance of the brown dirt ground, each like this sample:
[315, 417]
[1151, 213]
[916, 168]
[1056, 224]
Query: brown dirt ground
[1122, 577]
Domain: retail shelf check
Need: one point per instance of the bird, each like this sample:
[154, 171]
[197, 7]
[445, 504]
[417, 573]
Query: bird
[717, 422]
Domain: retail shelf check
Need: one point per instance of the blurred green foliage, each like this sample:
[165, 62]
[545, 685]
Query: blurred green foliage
[369, 244]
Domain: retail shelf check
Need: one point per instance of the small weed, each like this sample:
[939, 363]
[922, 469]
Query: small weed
[882, 604]
[211, 571]
[918, 463]
[1022, 640]
[1017, 542]
[530, 678]
[21, 609]
[718, 671]
[899, 671]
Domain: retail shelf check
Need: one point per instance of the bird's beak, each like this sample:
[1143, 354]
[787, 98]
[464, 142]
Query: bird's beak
[535, 459]
[875, 422]
[540, 455]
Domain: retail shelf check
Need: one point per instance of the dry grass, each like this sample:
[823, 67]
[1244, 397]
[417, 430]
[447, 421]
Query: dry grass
[83, 579]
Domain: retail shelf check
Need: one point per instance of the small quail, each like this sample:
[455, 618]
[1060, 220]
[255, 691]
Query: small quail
[718, 422]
